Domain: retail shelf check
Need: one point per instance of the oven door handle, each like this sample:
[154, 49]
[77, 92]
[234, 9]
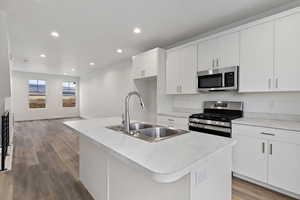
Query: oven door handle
[214, 128]
[217, 128]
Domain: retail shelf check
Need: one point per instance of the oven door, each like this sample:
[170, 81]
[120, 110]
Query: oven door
[209, 129]
[210, 82]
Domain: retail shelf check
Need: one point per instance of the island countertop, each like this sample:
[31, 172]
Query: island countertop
[165, 161]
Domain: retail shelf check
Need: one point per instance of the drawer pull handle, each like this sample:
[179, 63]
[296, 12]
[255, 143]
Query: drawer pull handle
[263, 147]
[271, 149]
[270, 134]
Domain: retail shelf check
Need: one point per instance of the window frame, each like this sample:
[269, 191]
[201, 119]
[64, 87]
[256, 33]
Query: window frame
[69, 87]
[45, 93]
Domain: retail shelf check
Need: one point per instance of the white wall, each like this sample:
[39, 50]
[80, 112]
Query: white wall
[4, 63]
[103, 92]
[53, 108]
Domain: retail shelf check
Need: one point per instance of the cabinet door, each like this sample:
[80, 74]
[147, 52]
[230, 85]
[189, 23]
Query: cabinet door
[207, 54]
[138, 70]
[284, 166]
[172, 67]
[188, 70]
[287, 48]
[173, 122]
[151, 63]
[228, 50]
[257, 58]
[250, 157]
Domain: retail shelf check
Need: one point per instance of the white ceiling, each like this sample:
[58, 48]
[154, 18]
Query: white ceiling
[92, 30]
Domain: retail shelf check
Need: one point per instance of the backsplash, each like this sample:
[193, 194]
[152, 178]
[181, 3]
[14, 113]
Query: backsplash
[255, 104]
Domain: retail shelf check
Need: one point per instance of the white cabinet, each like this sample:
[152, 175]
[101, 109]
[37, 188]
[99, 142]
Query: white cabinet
[206, 54]
[250, 157]
[172, 72]
[268, 155]
[188, 70]
[146, 64]
[269, 57]
[173, 122]
[137, 66]
[287, 48]
[257, 58]
[284, 165]
[228, 50]
[219, 52]
[181, 70]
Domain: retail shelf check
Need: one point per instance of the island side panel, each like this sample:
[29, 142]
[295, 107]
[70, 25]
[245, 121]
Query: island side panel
[111, 177]
[93, 168]
[212, 180]
[129, 183]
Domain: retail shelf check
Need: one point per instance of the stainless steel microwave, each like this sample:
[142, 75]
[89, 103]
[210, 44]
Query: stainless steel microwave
[218, 79]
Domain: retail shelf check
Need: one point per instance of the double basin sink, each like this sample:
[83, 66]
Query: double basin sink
[148, 132]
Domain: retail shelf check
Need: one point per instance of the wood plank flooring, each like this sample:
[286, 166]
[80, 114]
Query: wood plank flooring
[45, 167]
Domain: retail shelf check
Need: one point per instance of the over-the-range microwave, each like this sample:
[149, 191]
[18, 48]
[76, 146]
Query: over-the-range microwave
[218, 79]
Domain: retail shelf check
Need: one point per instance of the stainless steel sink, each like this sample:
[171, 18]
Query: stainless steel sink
[149, 132]
[132, 127]
[158, 133]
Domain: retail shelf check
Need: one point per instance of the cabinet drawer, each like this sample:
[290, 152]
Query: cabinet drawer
[266, 133]
[175, 122]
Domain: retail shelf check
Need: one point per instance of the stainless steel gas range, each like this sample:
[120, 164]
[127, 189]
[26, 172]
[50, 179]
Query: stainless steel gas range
[216, 117]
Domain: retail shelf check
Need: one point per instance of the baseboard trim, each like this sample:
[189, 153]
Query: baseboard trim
[265, 185]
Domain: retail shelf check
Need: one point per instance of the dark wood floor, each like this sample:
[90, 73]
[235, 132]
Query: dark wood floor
[45, 167]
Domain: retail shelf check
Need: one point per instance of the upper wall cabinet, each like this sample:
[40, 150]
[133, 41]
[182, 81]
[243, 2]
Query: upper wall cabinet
[228, 50]
[269, 56]
[146, 64]
[257, 58]
[219, 52]
[207, 54]
[287, 48]
[181, 70]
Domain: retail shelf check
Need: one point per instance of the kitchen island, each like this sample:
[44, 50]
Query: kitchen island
[116, 166]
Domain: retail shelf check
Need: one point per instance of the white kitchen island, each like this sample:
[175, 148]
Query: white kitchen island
[115, 166]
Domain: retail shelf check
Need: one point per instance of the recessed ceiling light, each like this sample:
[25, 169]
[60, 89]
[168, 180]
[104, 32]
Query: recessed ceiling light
[55, 34]
[73, 69]
[119, 51]
[137, 30]
[43, 56]
[92, 64]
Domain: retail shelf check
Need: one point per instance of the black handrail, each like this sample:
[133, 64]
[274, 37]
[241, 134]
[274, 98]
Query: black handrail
[4, 139]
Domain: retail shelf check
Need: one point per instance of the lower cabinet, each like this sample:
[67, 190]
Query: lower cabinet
[284, 166]
[271, 156]
[250, 157]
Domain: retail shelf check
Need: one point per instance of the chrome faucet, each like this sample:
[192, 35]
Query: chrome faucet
[126, 120]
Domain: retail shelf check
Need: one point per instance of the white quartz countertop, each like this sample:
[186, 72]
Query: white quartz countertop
[166, 160]
[269, 123]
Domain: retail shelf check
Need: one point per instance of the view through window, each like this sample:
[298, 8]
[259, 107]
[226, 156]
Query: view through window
[69, 94]
[37, 94]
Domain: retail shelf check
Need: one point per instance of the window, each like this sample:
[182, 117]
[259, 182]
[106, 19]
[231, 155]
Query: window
[69, 94]
[37, 94]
